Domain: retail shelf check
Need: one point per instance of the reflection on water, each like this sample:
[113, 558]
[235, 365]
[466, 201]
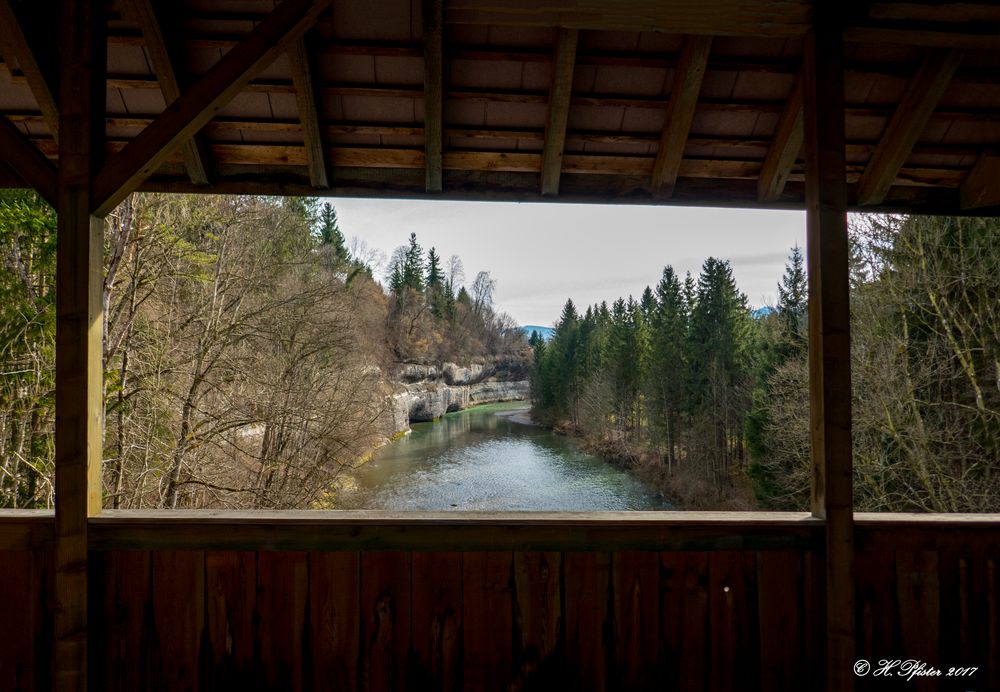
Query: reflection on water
[478, 460]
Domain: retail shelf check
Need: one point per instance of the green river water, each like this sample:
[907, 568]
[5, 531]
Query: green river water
[483, 459]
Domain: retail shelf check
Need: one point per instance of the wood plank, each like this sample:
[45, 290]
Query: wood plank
[28, 162]
[436, 623]
[830, 335]
[918, 600]
[282, 599]
[188, 114]
[334, 620]
[963, 621]
[15, 44]
[488, 620]
[923, 38]
[982, 187]
[993, 621]
[230, 611]
[876, 579]
[684, 619]
[784, 148]
[688, 76]
[194, 150]
[178, 612]
[672, 601]
[958, 12]
[20, 599]
[123, 582]
[721, 18]
[781, 601]
[23, 529]
[734, 653]
[908, 122]
[636, 619]
[309, 116]
[588, 649]
[560, 94]
[538, 619]
[79, 383]
[385, 618]
[374, 530]
[433, 26]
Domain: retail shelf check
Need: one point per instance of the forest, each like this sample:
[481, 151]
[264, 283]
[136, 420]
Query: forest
[709, 399]
[248, 351]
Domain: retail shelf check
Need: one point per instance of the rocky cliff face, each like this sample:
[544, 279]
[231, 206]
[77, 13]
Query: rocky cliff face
[426, 392]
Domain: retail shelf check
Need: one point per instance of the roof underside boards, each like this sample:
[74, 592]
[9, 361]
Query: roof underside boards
[922, 95]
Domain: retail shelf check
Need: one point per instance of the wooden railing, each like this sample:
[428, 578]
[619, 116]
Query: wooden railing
[373, 600]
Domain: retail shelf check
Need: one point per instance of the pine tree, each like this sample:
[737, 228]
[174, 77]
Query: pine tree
[668, 369]
[718, 351]
[413, 266]
[435, 284]
[330, 234]
[793, 297]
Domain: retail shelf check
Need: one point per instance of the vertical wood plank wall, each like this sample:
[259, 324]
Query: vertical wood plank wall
[720, 620]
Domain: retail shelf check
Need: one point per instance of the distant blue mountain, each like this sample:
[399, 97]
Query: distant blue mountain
[761, 312]
[546, 332]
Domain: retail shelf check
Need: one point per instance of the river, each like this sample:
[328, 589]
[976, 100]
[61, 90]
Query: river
[483, 459]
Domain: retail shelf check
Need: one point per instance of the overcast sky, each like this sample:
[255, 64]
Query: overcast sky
[542, 254]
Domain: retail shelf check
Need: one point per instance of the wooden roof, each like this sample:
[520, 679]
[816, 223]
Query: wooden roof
[646, 101]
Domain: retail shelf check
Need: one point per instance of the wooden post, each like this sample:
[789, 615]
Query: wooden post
[433, 94]
[79, 278]
[830, 336]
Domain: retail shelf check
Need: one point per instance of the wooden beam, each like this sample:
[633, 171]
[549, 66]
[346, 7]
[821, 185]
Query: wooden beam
[14, 44]
[982, 187]
[433, 93]
[830, 335]
[907, 123]
[472, 531]
[24, 158]
[784, 149]
[787, 19]
[79, 283]
[305, 99]
[197, 160]
[188, 114]
[560, 94]
[922, 38]
[688, 75]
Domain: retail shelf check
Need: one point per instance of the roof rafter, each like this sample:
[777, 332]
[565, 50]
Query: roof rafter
[14, 44]
[560, 96]
[784, 149]
[196, 106]
[22, 157]
[908, 121]
[433, 93]
[305, 98]
[982, 187]
[688, 77]
[197, 157]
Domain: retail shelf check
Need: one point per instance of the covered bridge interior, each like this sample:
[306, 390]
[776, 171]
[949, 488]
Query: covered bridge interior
[891, 106]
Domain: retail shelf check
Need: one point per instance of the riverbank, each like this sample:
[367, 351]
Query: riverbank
[683, 487]
[518, 415]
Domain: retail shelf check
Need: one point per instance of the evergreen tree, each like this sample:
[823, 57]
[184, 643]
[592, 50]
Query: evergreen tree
[668, 370]
[793, 297]
[413, 266]
[718, 351]
[435, 285]
[566, 368]
[435, 278]
[330, 235]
